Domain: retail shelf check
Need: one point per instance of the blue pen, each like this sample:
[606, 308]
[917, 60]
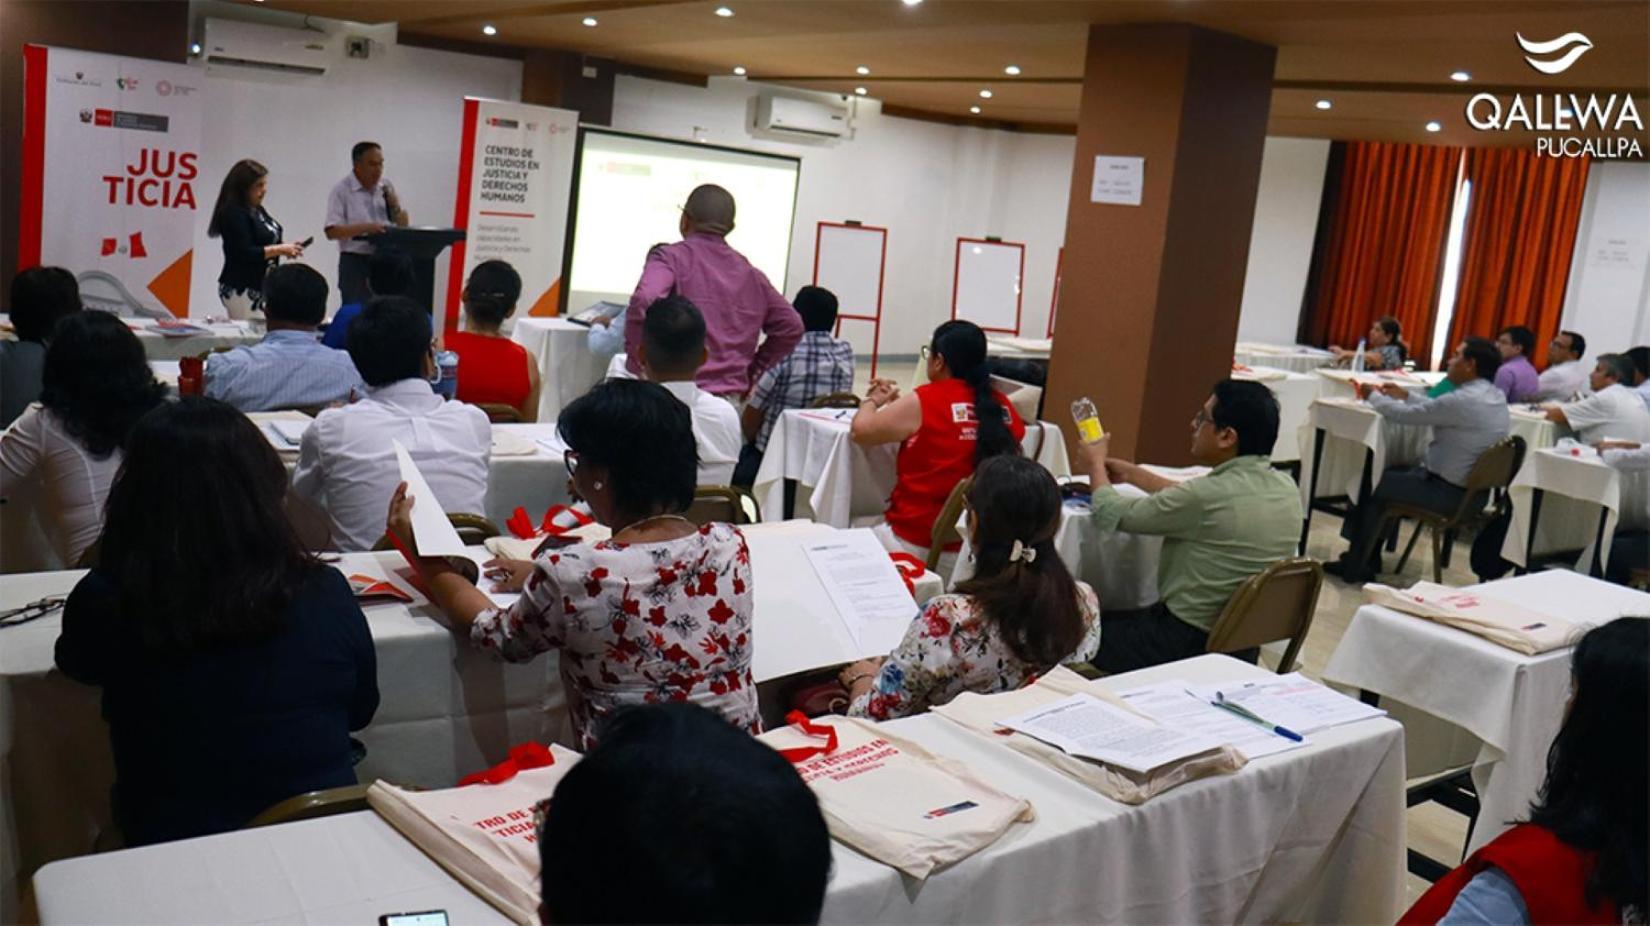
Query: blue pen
[1221, 702]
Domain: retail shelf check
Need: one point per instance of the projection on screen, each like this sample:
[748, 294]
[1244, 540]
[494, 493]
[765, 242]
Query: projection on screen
[629, 197]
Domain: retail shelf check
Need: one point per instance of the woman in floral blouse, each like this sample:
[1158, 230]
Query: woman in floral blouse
[661, 612]
[1021, 613]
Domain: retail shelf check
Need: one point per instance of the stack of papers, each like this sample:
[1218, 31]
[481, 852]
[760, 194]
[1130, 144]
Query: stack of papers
[506, 444]
[1173, 704]
[1088, 727]
[863, 584]
[1291, 701]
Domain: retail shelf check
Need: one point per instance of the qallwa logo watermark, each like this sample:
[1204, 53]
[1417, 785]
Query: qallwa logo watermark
[1609, 117]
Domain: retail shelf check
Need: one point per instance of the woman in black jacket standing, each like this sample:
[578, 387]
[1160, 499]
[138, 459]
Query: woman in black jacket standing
[251, 238]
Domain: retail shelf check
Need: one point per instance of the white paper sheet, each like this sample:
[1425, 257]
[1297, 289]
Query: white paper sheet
[1294, 702]
[433, 534]
[1086, 726]
[1169, 704]
[865, 587]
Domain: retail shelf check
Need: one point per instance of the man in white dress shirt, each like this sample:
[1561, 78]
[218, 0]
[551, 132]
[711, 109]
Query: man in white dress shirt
[363, 203]
[1465, 422]
[1613, 412]
[670, 354]
[346, 461]
[1565, 375]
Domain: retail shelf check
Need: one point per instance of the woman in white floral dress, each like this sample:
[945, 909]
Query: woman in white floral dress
[1020, 614]
[661, 612]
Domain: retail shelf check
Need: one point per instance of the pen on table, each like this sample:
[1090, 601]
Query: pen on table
[1225, 705]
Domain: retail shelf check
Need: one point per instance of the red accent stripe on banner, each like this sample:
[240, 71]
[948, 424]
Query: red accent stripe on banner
[461, 210]
[33, 193]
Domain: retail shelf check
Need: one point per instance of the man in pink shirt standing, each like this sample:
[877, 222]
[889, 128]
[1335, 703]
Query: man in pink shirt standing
[737, 301]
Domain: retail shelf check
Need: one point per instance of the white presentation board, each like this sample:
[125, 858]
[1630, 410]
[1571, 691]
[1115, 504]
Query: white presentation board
[629, 191]
[988, 283]
[850, 260]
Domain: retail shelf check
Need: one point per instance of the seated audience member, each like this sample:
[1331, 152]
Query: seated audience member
[671, 352]
[1641, 372]
[671, 776]
[1383, 347]
[1613, 412]
[1581, 855]
[290, 367]
[63, 452]
[660, 612]
[1630, 548]
[1218, 529]
[492, 369]
[945, 428]
[39, 297]
[233, 664]
[346, 461]
[1516, 376]
[1565, 375]
[820, 365]
[389, 273]
[1465, 423]
[1019, 615]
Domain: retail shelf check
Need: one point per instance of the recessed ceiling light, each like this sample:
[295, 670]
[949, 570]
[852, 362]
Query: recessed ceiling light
[1324, 104]
[489, 29]
[724, 12]
[862, 70]
[1435, 127]
[985, 94]
[194, 48]
[1012, 70]
[1460, 76]
[911, 2]
[861, 91]
[590, 20]
[973, 109]
[739, 70]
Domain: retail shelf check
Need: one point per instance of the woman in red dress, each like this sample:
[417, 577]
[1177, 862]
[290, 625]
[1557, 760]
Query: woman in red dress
[492, 369]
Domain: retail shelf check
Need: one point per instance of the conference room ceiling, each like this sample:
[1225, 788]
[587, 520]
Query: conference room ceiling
[1384, 65]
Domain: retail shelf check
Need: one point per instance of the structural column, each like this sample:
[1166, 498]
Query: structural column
[1149, 293]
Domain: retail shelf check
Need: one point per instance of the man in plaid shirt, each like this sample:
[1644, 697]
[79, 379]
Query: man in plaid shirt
[820, 365]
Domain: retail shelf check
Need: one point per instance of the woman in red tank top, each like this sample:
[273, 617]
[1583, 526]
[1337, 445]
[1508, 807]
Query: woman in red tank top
[492, 369]
[947, 426]
[1582, 857]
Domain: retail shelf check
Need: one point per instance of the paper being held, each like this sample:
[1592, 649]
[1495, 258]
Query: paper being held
[433, 534]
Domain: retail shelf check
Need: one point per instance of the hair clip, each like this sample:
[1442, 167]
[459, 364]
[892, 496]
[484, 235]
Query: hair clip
[1022, 552]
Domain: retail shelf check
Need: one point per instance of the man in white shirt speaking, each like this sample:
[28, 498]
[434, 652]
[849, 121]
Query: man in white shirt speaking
[1613, 412]
[1565, 375]
[346, 461]
[363, 203]
[670, 354]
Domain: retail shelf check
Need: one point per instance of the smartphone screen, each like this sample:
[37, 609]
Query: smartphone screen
[426, 918]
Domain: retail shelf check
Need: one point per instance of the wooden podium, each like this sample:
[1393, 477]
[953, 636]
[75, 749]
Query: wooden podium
[423, 245]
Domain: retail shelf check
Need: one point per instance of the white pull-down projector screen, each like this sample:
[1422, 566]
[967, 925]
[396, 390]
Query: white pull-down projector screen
[628, 195]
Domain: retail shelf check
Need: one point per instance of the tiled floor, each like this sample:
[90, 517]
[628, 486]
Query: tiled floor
[1433, 830]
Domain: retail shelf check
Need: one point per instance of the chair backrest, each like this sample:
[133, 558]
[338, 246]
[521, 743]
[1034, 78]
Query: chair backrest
[473, 529]
[1493, 471]
[499, 413]
[312, 804]
[1274, 604]
[945, 531]
[729, 504]
[836, 400]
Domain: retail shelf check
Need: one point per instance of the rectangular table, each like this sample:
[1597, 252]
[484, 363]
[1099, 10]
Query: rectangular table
[1311, 835]
[1351, 445]
[1298, 358]
[1512, 703]
[567, 368]
[1295, 393]
[1564, 499]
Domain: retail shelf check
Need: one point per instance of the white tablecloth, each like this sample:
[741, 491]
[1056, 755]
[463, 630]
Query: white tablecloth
[1534, 427]
[567, 368]
[1578, 489]
[220, 334]
[1352, 432]
[1337, 383]
[445, 709]
[839, 480]
[1011, 347]
[1294, 392]
[1296, 357]
[1511, 702]
[1311, 835]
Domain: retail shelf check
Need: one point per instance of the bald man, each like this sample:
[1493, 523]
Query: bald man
[740, 306]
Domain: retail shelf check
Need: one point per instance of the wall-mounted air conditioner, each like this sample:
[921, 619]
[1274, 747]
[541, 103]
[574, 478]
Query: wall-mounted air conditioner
[272, 48]
[819, 117]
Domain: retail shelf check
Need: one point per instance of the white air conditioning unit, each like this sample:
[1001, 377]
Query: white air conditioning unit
[819, 117]
[271, 48]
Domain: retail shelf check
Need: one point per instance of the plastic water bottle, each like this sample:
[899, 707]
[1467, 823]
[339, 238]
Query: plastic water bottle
[1087, 418]
[447, 384]
[1358, 358]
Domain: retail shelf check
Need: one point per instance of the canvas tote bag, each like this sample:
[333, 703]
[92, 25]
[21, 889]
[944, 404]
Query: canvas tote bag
[1516, 628]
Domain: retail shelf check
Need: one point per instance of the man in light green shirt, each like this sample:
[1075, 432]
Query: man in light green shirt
[1218, 529]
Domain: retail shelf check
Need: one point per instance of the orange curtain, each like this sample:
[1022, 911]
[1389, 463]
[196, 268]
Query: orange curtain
[1385, 247]
[1521, 233]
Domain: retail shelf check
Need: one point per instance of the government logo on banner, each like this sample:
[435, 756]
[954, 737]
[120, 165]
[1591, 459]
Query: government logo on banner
[1607, 126]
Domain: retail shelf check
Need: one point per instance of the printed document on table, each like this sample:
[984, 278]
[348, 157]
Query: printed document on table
[862, 582]
[1294, 702]
[1086, 726]
[433, 534]
[1171, 705]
